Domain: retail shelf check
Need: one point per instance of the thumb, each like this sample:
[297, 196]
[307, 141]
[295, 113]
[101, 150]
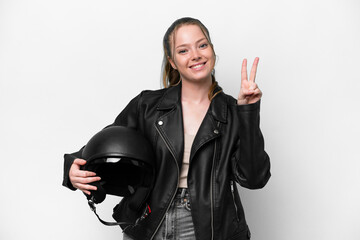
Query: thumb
[79, 161]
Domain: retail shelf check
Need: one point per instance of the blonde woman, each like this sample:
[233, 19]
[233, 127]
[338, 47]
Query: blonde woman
[204, 140]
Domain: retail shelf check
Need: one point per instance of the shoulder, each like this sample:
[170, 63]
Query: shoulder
[151, 96]
[150, 99]
[143, 104]
[228, 99]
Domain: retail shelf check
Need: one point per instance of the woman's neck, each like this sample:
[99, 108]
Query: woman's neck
[195, 92]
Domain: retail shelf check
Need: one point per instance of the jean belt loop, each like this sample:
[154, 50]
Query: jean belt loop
[187, 205]
[183, 192]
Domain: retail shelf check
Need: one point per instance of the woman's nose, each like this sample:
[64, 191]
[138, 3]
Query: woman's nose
[196, 55]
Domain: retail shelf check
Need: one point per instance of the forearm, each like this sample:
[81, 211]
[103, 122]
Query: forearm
[251, 161]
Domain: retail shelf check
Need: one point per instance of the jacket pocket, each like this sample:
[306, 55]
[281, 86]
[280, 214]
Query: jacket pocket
[233, 198]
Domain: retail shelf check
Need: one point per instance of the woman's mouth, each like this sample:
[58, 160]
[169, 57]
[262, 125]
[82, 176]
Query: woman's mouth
[198, 66]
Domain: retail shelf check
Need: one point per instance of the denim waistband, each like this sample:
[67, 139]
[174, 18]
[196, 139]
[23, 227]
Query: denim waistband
[181, 192]
[182, 198]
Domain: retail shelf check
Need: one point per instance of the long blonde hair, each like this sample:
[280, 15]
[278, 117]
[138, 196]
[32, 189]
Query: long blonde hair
[171, 76]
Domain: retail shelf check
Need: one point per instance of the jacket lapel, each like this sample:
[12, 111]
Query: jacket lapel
[210, 126]
[170, 122]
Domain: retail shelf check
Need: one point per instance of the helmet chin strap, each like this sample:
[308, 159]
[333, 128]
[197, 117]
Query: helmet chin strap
[93, 208]
[99, 196]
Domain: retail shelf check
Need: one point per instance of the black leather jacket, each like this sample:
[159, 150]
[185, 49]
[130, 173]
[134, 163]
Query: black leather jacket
[228, 148]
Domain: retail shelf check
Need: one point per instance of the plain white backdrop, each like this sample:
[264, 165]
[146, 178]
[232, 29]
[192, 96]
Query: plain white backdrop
[67, 68]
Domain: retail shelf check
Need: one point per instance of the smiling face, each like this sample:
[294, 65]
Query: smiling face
[192, 54]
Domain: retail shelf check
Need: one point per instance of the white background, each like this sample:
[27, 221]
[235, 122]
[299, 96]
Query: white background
[67, 68]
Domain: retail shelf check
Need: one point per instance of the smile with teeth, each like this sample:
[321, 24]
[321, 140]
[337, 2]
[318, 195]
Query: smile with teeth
[198, 65]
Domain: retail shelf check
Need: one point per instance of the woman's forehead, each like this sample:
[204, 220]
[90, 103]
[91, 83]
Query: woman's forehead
[188, 34]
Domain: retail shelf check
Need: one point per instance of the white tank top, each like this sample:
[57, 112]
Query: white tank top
[188, 141]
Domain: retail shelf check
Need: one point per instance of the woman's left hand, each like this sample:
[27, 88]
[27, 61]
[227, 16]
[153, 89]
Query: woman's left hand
[249, 91]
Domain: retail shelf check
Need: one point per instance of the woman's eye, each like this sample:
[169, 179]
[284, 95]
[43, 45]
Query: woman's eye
[203, 45]
[182, 51]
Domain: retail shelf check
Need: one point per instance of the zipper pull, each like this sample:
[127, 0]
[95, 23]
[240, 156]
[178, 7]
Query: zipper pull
[232, 186]
[233, 196]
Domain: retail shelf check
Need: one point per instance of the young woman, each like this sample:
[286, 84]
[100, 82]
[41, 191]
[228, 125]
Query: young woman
[204, 141]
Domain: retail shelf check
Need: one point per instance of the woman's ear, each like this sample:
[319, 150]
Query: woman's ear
[171, 62]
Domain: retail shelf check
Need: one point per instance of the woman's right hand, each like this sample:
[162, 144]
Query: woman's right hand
[80, 178]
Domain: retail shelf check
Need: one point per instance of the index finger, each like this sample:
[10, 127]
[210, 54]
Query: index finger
[253, 70]
[84, 173]
[244, 71]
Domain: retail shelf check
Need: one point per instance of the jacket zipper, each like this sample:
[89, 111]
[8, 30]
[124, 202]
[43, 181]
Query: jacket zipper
[233, 196]
[178, 171]
[211, 195]
[211, 190]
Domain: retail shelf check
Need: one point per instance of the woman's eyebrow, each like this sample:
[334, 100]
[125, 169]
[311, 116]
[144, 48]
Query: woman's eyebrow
[185, 44]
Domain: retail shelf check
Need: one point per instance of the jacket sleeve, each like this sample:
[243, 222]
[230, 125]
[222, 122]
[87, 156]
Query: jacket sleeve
[250, 163]
[128, 118]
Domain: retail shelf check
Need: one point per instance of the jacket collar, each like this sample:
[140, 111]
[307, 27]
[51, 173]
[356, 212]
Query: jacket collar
[172, 97]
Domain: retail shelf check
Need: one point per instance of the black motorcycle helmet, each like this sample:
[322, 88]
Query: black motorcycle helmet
[124, 160]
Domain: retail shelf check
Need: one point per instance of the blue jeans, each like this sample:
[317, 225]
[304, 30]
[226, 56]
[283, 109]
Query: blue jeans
[177, 223]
